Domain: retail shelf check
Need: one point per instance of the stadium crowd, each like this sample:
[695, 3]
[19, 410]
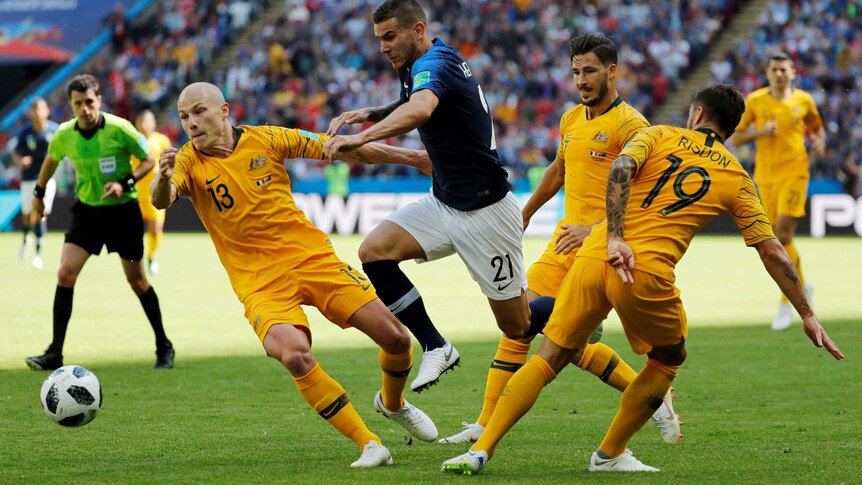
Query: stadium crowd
[297, 70]
[824, 39]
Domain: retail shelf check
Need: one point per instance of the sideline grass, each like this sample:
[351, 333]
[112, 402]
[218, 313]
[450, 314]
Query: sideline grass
[758, 407]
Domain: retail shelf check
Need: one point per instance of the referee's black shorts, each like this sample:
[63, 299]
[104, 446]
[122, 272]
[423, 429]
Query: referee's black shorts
[119, 227]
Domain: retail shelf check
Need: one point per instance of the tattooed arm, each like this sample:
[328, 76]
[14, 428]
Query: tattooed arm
[362, 115]
[783, 271]
[620, 255]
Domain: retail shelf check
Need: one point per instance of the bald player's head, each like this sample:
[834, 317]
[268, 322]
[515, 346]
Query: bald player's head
[204, 116]
[202, 90]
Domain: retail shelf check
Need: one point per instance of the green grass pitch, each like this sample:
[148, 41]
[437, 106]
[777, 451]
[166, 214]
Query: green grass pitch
[757, 406]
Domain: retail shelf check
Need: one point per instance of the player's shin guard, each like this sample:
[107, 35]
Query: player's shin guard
[793, 253]
[403, 299]
[517, 398]
[510, 356]
[601, 361]
[643, 396]
[540, 312]
[328, 398]
[396, 368]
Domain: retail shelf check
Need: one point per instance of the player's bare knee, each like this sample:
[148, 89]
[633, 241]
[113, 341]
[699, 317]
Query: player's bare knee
[396, 341]
[371, 250]
[66, 277]
[296, 360]
[139, 284]
[784, 236]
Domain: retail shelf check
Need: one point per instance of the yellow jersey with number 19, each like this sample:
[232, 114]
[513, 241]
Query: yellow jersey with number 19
[783, 156]
[246, 204]
[684, 179]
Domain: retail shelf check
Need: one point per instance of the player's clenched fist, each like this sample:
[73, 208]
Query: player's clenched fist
[167, 161]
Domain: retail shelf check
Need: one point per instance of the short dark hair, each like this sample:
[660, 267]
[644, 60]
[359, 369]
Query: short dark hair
[81, 83]
[779, 56]
[723, 105]
[597, 43]
[406, 12]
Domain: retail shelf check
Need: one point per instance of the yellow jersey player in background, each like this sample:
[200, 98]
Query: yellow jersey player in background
[154, 219]
[662, 189]
[781, 116]
[592, 135]
[277, 260]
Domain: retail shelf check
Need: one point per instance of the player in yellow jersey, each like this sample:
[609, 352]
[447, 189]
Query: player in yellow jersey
[592, 134]
[154, 219]
[277, 260]
[782, 115]
[662, 189]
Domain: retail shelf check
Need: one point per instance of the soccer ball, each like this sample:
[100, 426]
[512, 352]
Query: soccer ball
[71, 396]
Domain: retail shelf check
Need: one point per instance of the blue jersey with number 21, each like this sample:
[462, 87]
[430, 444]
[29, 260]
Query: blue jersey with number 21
[459, 136]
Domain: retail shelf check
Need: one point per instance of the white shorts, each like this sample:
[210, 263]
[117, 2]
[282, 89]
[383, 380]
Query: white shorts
[27, 187]
[488, 240]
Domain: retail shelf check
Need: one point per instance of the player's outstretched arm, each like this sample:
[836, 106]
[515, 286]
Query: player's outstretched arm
[163, 192]
[780, 267]
[376, 153]
[361, 115]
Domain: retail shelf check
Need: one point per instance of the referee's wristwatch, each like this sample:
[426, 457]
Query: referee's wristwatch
[39, 192]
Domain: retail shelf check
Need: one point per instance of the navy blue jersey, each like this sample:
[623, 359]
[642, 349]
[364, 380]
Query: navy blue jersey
[34, 143]
[459, 136]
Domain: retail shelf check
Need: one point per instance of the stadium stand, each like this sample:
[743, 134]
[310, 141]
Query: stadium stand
[295, 69]
[824, 39]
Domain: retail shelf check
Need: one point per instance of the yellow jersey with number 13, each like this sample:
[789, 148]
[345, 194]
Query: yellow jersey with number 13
[246, 204]
[684, 179]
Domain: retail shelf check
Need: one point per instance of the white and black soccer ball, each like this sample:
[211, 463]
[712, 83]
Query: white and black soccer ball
[71, 396]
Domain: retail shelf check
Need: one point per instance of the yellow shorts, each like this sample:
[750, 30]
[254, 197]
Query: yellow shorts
[650, 310]
[150, 213]
[546, 275]
[784, 198]
[326, 282]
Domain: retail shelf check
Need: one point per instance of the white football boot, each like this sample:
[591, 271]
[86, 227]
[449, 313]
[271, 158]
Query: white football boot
[410, 417]
[434, 364]
[623, 463]
[373, 454]
[666, 420]
[471, 433]
[466, 464]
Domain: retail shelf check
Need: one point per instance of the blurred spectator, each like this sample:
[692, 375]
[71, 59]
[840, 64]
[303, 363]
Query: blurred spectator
[824, 38]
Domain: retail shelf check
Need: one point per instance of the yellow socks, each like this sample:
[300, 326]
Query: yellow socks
[794, 256]
[643, 396]
[153, 241]
[396, 368]
[517, 398]
[511, 355]
[328, 398]
[601, 361]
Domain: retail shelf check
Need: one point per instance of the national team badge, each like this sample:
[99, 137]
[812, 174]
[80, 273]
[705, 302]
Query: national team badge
[257, 164]
[601, 138]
